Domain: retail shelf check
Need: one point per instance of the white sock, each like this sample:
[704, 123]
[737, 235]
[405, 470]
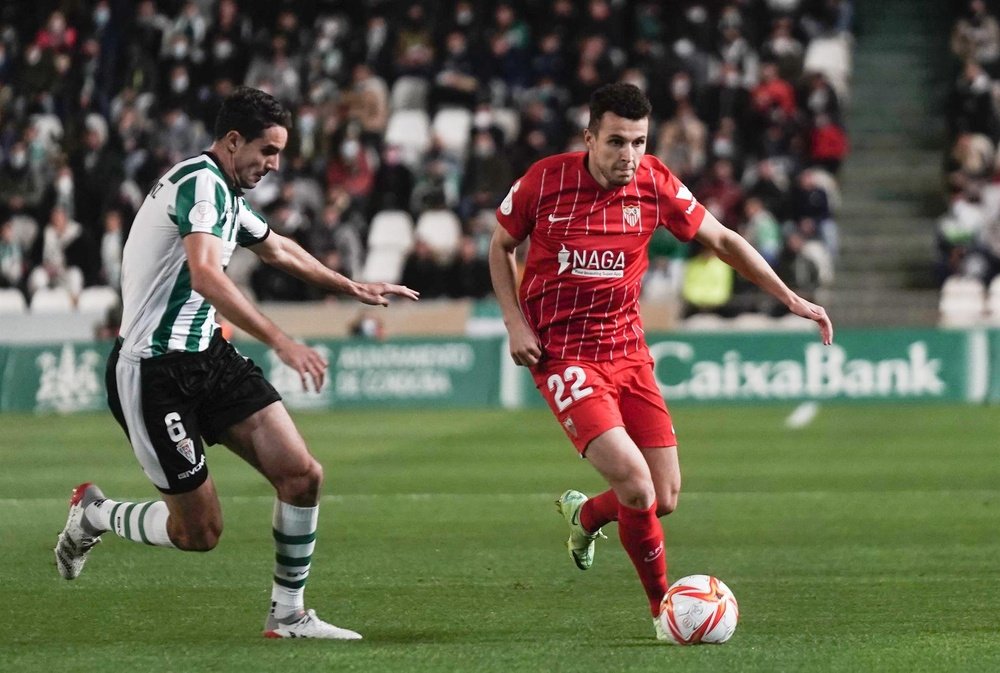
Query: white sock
[294, 530]
[137, 521]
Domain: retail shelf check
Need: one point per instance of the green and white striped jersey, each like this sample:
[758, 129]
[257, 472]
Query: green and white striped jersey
[161, 312]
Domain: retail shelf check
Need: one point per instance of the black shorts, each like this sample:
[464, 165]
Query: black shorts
[168, 404]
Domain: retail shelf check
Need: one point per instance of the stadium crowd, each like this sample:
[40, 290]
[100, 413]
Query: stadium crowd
[969, 232]
[412, 119]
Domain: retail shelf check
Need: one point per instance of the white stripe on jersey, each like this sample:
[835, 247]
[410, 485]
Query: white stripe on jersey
[583, 327]
[555, 311]
[597, 351]
[639, 199]
[575, 197]
[541, 190]
[656, 197]
[597, 196]
[160, 311]
[611, 298]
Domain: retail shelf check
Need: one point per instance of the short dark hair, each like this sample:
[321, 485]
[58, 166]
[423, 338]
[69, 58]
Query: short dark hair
[625, 100]
[249, 111]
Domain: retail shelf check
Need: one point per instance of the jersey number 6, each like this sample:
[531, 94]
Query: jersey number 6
[576, 377]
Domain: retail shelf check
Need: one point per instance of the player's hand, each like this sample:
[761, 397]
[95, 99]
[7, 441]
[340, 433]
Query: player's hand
[376, 294]
[525, 349]
[308, 363]
[816, 313]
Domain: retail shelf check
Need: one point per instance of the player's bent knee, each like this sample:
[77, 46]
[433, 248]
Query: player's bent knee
[636, 495]
[302, 486]
[197, 538]
[668, 505]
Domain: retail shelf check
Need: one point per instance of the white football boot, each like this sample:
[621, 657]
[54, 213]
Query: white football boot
[76, 539]
[306, 625]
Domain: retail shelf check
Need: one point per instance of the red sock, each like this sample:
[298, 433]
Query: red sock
[642, 536]
[599, 510]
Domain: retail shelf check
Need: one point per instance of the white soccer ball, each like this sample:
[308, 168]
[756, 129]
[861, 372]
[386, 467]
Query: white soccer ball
[699, 609]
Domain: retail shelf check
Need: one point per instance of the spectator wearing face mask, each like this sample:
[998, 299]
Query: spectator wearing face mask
[97, 173]
[393, 183]
[970, 105]
[976, 36]
[351, 168]
[12, 257]
[67, 256]
[488, 175]
[21, 189]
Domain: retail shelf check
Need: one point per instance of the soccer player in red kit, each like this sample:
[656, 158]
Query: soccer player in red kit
[575, 320]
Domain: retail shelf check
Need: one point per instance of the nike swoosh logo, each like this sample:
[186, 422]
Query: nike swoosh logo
[575, 519]
[553, 218]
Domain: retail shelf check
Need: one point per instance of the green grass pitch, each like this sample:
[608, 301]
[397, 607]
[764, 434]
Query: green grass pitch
[867, 541]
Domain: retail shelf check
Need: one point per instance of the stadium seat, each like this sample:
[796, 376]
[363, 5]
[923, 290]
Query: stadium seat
[709, 322]
[48, 300]
[509, 122]
[441, 230]
[410, 131]
[25, 230]
[790, 321]
[383, 265]
[12, 302]
[962, 303]
[451, 127]
[993, 302]
[391, 229]
[831, 55]
[98, 299]
[409, 93]
[753, 322]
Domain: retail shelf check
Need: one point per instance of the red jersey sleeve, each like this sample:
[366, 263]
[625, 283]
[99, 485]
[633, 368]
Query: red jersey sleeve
[684, 213]
[517, 211]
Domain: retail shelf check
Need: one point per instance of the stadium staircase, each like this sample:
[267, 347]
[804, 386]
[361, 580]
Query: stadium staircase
[891, 183]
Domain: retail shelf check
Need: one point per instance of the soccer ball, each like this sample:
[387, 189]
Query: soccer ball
[699, 609]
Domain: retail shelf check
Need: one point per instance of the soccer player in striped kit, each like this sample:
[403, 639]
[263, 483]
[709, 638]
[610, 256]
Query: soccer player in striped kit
[174, 381]
[575, 321]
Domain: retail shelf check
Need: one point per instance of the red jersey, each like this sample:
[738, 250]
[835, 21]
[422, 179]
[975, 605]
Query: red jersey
[587, 258]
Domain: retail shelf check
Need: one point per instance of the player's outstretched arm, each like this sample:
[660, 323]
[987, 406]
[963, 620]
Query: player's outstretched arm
[524, 347]
[285, 254]
[204, 259]
[735, 251]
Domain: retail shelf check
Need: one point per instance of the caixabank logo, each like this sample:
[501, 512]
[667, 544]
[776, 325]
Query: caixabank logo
[816, 372]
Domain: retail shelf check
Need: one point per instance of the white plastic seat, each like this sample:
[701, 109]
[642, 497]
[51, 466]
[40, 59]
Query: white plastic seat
[706, 321]
[451, 127]
[98, 298]
[962, 303]
[790, 321]
[410, 130]
[993, 302]
[49, 300]
[391, 229]
[753, 322]
[12, 302]
[383, 265]
[441, 230]
[409, 93]
[509, 122]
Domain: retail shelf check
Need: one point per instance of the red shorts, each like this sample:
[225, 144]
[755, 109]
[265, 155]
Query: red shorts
[590, 398]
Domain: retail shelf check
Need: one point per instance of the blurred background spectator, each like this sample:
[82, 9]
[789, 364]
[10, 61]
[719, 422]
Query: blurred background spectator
[968, 233]
[430, 110]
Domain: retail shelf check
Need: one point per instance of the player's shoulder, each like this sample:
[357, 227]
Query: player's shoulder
[553, 162]
[197, 167]
[653, 164]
